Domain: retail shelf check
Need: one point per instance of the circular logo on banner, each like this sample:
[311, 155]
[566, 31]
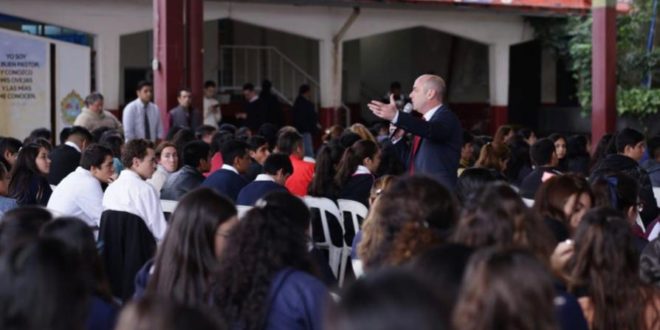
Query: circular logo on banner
[70, 107]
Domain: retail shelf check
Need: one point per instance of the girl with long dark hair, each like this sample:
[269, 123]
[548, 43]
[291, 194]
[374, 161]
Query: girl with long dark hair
[187, 260]
[29, 185]
[265, 280]
[355, 174]
[323, 181]
[603, 270]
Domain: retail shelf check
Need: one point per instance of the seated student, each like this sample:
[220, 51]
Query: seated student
[65, 158]
[259, 151]
[562, 201]
[205, 133]
[355, 174]
[154, 313]
[495, 159]
[265, 280]
[9, 151]
[277, 169]
[630, 149]
[28, 184]
[80, 194]
[131, 193]
[6, 203]
[167, 157]
[392, 299]
[544, 159]
[652, 165]
[291, 143]
[42, 287]
[603, 271]
[79, 238]
[195, 162]
[228, 180]
[467, 152]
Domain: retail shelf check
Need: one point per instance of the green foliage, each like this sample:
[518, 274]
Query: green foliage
[570, 37]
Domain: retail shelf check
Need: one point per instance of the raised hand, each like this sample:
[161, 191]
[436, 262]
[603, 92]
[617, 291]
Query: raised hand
[382, 110]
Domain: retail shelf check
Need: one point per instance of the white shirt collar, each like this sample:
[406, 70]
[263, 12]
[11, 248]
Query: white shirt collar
[264, 177]
[132, 174]
[256, 97]
[429, 115]
[361, 169]
[73, 145]
[229, 168]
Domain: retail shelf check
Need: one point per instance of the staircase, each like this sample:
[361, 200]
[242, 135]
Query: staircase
[243, 64]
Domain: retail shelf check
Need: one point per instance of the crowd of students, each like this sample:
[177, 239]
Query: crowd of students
[538, 233]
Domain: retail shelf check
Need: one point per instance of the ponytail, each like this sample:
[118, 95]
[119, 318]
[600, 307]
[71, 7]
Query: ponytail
[353, 157]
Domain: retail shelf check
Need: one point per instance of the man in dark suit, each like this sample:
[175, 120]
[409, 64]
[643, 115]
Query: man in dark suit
[228, 180]
[305, 118]
[66, 157]
[437, 137]
[255, 108]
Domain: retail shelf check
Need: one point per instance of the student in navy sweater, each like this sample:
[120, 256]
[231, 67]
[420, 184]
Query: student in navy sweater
[355, 174]
[277, 168]
[228, 180]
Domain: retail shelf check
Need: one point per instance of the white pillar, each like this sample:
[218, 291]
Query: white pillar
[498, 69]
[107, 68]
[330, 67]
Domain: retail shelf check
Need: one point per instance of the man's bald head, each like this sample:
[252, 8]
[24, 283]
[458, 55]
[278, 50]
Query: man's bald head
[433, 83]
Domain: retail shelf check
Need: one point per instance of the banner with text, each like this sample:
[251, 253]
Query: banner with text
[24, 84]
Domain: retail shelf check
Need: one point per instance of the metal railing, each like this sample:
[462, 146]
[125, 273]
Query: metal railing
[242, 64]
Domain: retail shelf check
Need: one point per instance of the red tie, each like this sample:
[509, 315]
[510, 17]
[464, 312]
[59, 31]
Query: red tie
[416, 142]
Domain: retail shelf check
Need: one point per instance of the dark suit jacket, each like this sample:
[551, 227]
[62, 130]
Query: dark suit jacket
[182, 118]
[305, 117]
[256, 114]
[226, 182]
[440, 148]
[64, 160]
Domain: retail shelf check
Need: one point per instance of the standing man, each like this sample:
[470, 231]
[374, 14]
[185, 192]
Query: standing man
[93, 116]
[212, 113]
[305, 119]
[255, 109]
[141, 117]
[436, 146]
[184, 115]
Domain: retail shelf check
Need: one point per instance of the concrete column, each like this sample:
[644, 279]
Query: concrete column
[169, 51]
[108, 69]
[603, 68]
[498, 68]
[330, 74]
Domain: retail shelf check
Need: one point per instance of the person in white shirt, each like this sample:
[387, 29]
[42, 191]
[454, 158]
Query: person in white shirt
[80, 194]
[212, 113]
[141, 117]
[131, 193]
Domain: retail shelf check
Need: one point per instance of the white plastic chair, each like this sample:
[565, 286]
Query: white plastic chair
[329, 212]
[242, 209]
[168, 205]
[353, 213]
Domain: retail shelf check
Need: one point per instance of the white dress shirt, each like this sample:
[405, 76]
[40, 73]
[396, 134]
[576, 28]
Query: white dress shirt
[78, 195]
[133, 119]
[361, 169]
[129, 193]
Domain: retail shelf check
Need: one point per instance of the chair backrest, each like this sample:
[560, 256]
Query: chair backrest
[353, 214]
[168, 205]
[327, 229]
[127, 245]
[242, 209]
[529, 202]
[656, 193]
